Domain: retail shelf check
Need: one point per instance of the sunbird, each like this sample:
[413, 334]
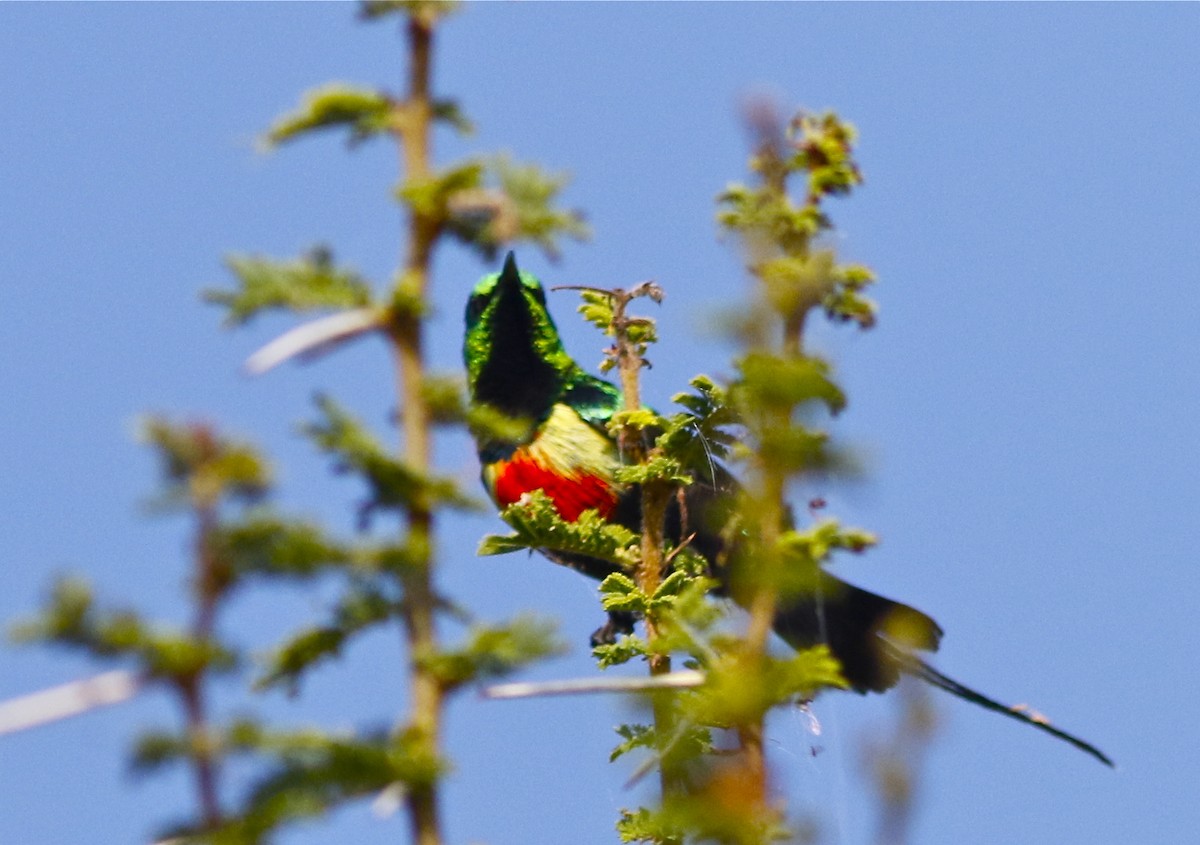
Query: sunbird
[559, 443]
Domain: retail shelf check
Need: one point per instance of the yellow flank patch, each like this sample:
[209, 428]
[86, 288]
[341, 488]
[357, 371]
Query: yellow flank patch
[570, 447]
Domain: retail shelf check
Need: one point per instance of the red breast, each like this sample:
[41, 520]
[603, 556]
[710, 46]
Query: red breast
[571, 495]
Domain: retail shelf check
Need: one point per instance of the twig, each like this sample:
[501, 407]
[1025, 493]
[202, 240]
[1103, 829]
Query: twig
[682, 679]
[314, 338]
[67, 700]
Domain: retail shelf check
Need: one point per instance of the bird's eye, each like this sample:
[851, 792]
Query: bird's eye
[539, 293]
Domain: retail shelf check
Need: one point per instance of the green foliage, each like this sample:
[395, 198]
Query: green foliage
[200, 468]
[845, 301]
[363, 111]
[620, 593]
[597, 309]
[764, 420]
[315, 772]
[646, 825]
[361, 607]
[492, 651]
[491, 203]
[718, 812]
[445, 397]
[820, 540]
[657, 468]
[266, 544]
[791, 450]
[771, 217]
[450, 113]
[487, 203]
[780, 382]
[779, 234]
[156, 749]
[392, 484]
[740, 688]
[606, 310]
[531, 192]
[699, 436]
[822, 147]
[71, 618]
[537, 525]
[818, 145]
[626, 648]
[305, 284]
[432, 196]
[425, 10]
[633, 737]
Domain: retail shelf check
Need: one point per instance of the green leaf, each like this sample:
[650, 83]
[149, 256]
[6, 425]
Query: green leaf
[492, 651]
[514, 203]
[658, 468]
[740, 690]
[363, 111]
[819, 540]
[796, 449]
[72, 619]
[168, 654]
[200, 467]
[808, 671]
[785, 382]
[434, 195]
[315, 773]
[264, 544]
[644, 825]
[618, 592]
[846, 301]
[426, 10]
[450, 113]
[641, 419]
[532, 192]
[393, 485]
[634, 737]
[763, 216]
[626, 648]
[824, 147]
[309, 283]
[538, 526]
[670, 588]
[446, 398]
[597, 309]
[155, 749]
[502, 544]
[699, 436]
[363, 607]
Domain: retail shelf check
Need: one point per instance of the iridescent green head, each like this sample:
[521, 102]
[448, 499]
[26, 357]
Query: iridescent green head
[515, 359]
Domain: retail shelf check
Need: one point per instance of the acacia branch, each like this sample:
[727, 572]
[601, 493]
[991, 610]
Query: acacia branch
[655, 496]
[407, 337]
[67, 700]
[209, 585]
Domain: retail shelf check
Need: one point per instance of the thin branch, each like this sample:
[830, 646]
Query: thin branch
[67, 700]
[314, 338]
[427, 694]
[682, 679]
[209, 585]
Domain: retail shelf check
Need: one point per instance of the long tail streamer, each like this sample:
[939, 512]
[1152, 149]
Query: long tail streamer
[920, 669]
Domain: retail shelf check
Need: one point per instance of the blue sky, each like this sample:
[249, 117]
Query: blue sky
[1026, 406]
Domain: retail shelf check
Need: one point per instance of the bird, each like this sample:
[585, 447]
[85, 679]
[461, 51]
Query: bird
[557, 441]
